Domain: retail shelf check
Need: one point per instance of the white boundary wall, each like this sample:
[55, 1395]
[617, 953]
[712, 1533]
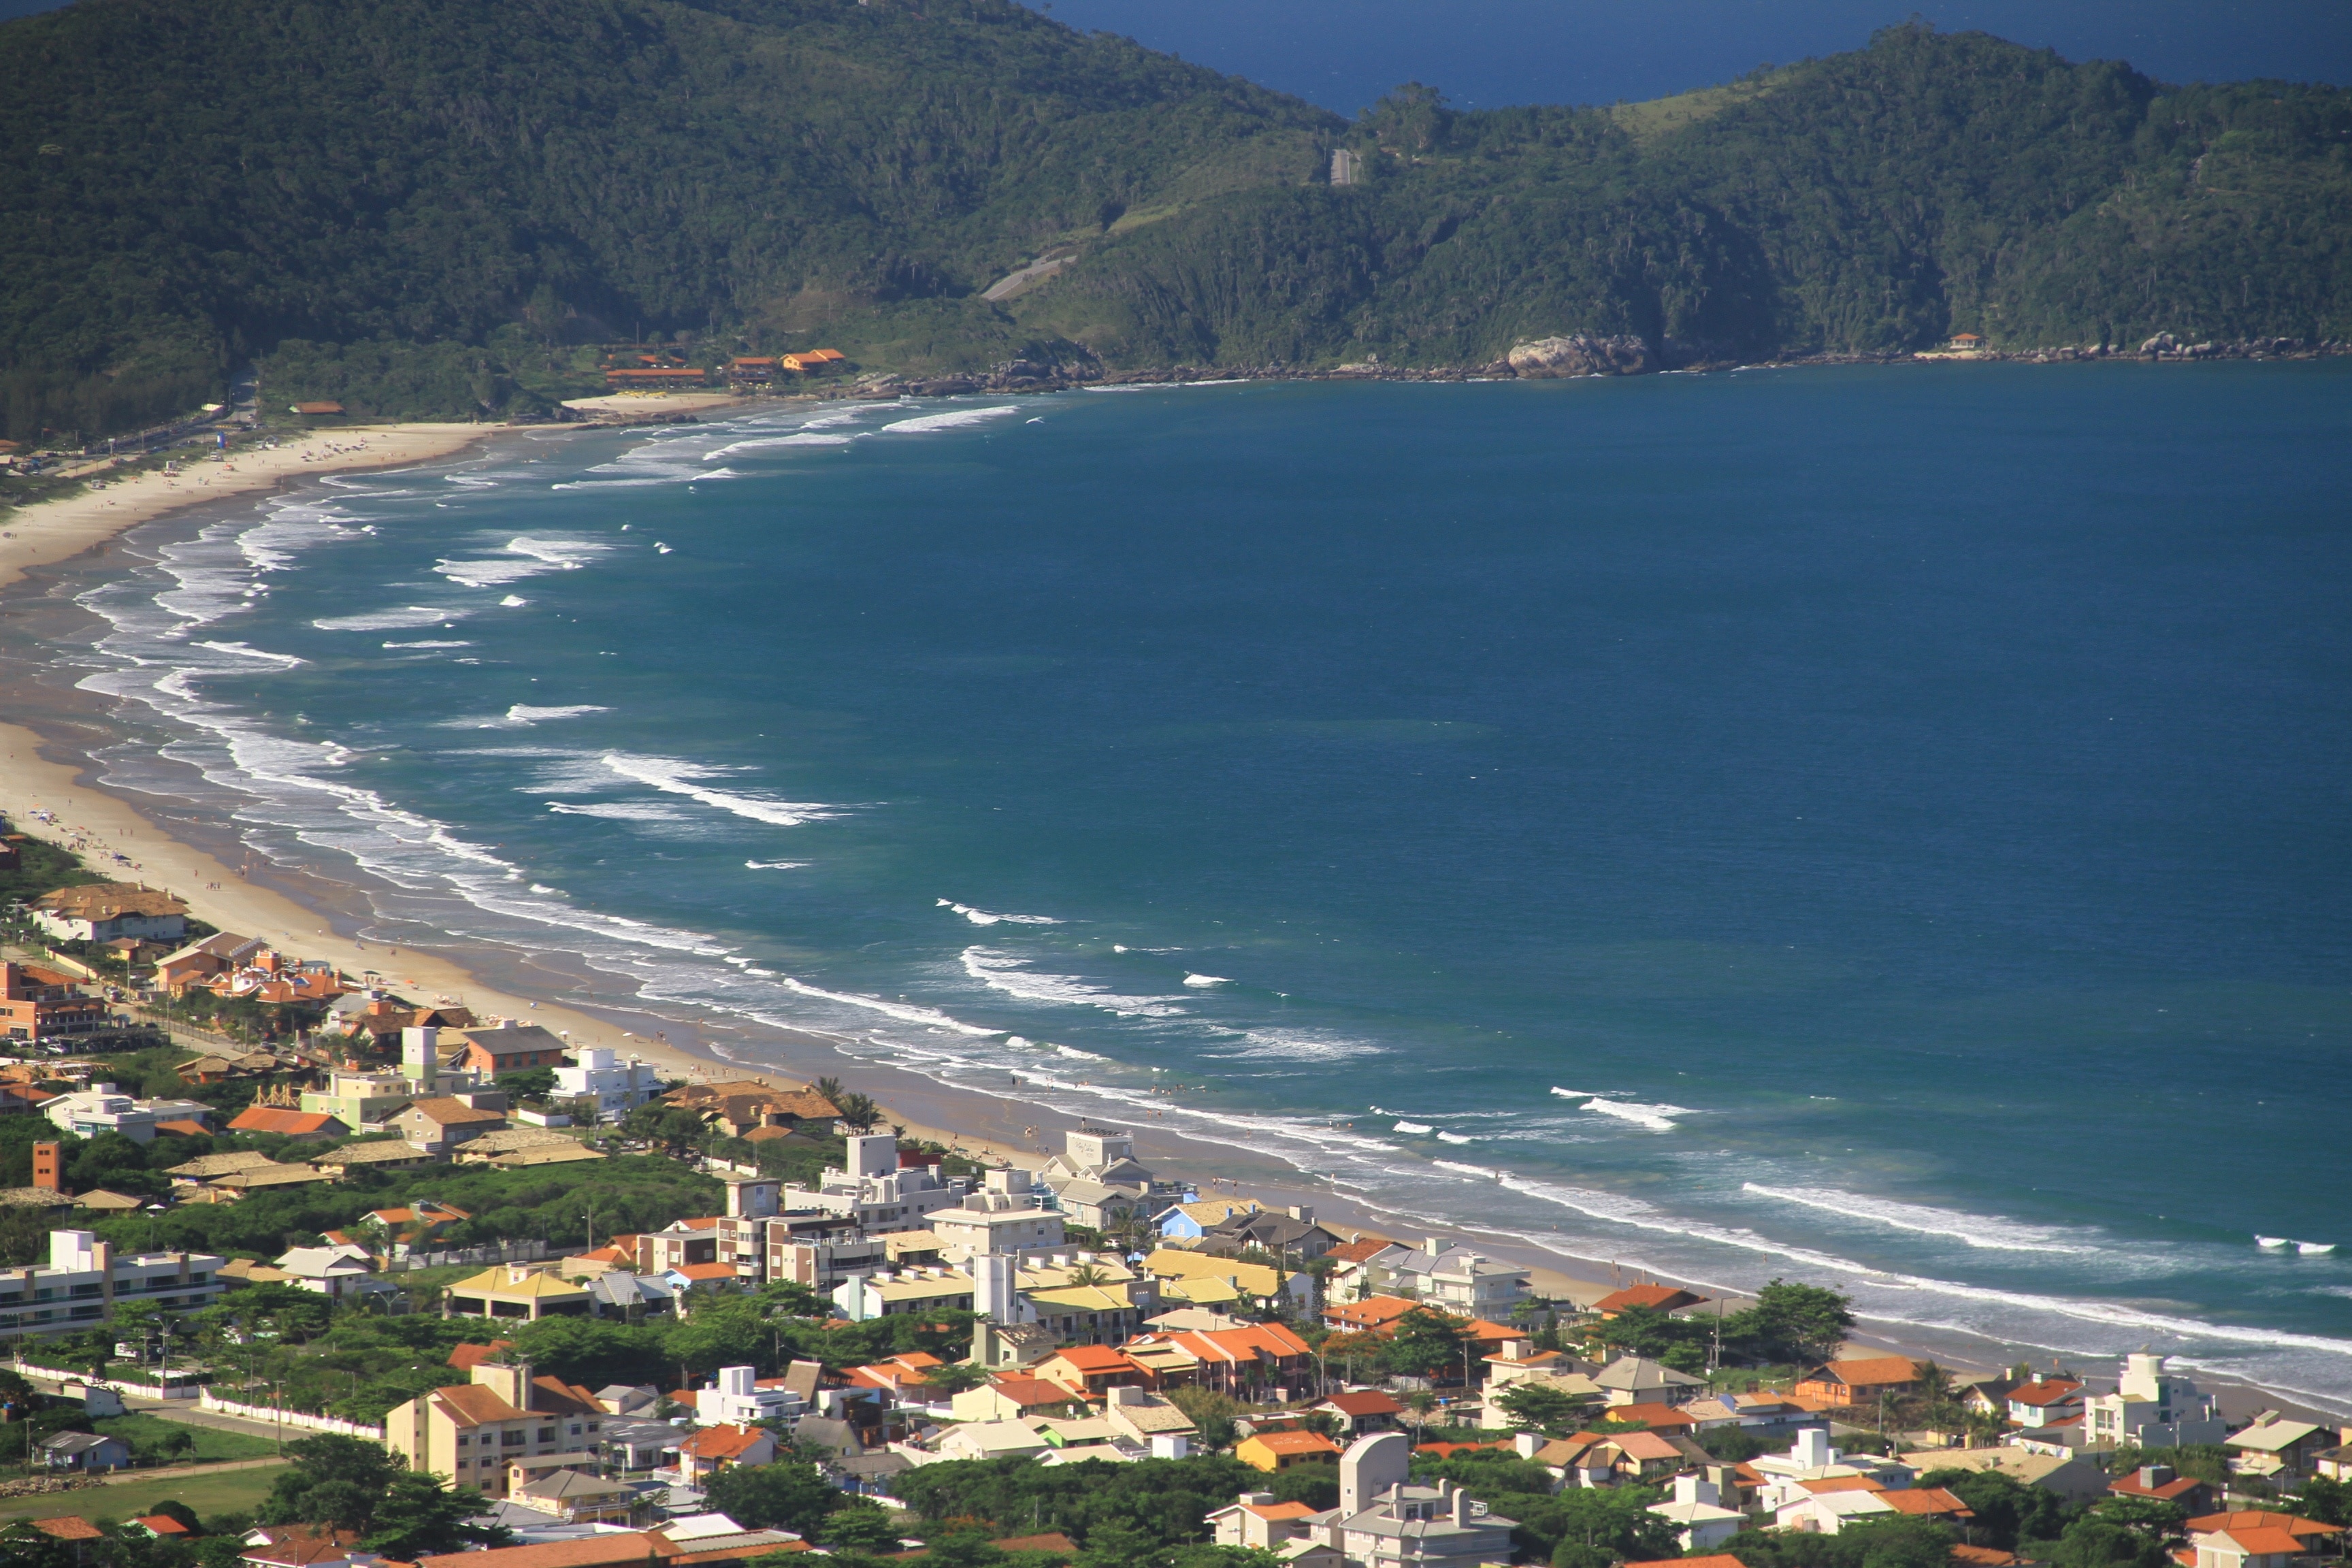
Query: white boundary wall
[302, 1419]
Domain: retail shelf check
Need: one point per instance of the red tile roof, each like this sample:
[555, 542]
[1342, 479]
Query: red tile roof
[2048, 1392]
[2129, 1485]
[1663, 1298]
[161, 1524]
[1926, 1500]
[1356, 1251]
[467, 1357]
[1829, 1484]
[1370, 1403]
[70, 1527]
[1094, 1358]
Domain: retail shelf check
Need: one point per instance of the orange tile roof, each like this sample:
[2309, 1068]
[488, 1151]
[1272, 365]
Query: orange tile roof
[70, 1527]
[1094, 1358]
[1926, 1500]
[2129, 1485]
[2259, 1518]
[1829, 1484]
[722, 1442]
[467, 1357]
[1662, 1297]
[1278, 1509]
[270, 1119]
[594, 1551]
[1712, 1560]
[1654, 1416]
[1372, 1312]
[2262, 1541]
[1030, 1391]
[1869, 1372]
[708, 1271]
[1295, 1443]
[161, 1524]
[471, 1405]
[1985, 1556]
[1358, 1251]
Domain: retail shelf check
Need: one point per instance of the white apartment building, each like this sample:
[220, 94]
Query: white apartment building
[1004, 1217]
[103, 1109]
[875, 1192]
[617, 1087]
[737, 1399]
[2151, 1408]
[84, 1279]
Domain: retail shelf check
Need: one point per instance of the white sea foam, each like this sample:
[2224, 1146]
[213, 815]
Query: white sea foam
[1417, 1128]
[244, 650]
[2273, 1241]
[672, 776]
[1657, 1118]
[1206, 980]
[513, 602]
[767, 443]
[773, 865]
[430, 642]
[956, 419]
[2314, 1249]
[1455, 1138]
[983, 918]
[1011, 974]
[522, 556]
[1481, 1172]
[397, 620]
[1977, 1230]
[1299, 1044]
[930, 1016]
[620, 810]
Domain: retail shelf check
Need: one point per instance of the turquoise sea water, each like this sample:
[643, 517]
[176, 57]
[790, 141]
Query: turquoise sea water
[1881, 825]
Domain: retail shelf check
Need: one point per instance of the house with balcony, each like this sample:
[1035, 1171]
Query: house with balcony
[499, 1431]
[2152, 1407]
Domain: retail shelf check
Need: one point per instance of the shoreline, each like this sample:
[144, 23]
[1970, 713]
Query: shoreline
[296, 904]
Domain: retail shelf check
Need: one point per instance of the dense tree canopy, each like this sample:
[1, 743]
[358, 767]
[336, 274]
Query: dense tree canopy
[420, 205]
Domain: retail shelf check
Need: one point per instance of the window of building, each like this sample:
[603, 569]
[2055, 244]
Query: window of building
[546, 1433]
[510, 1440]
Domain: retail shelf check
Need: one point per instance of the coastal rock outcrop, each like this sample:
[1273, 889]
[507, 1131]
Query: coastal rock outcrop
[1583, 355]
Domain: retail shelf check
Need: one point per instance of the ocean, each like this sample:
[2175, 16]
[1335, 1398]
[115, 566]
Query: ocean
[1884, 827]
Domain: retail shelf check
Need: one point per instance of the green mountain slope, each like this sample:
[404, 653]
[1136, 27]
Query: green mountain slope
[183, 188]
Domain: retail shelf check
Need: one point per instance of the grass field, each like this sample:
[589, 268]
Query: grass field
[223, 1491]
[145, 1433]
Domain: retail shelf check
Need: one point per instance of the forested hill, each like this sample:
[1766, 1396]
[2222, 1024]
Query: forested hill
[186, 187]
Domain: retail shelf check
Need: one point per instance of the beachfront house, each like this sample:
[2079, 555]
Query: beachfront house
[1190, 1222]
[1864, 1380]
[2151, 1408]
[613, 1085]
[509, 1047]
[107, 911]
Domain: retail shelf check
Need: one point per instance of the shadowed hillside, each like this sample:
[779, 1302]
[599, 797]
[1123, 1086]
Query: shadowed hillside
[466, 190]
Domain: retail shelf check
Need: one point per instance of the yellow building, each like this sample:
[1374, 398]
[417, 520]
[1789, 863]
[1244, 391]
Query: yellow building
[497, 1432]
[1195, 1275]
[524, 1291]
[1272, 1451]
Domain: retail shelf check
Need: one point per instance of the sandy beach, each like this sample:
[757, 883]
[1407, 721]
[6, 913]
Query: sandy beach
[53, 531]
